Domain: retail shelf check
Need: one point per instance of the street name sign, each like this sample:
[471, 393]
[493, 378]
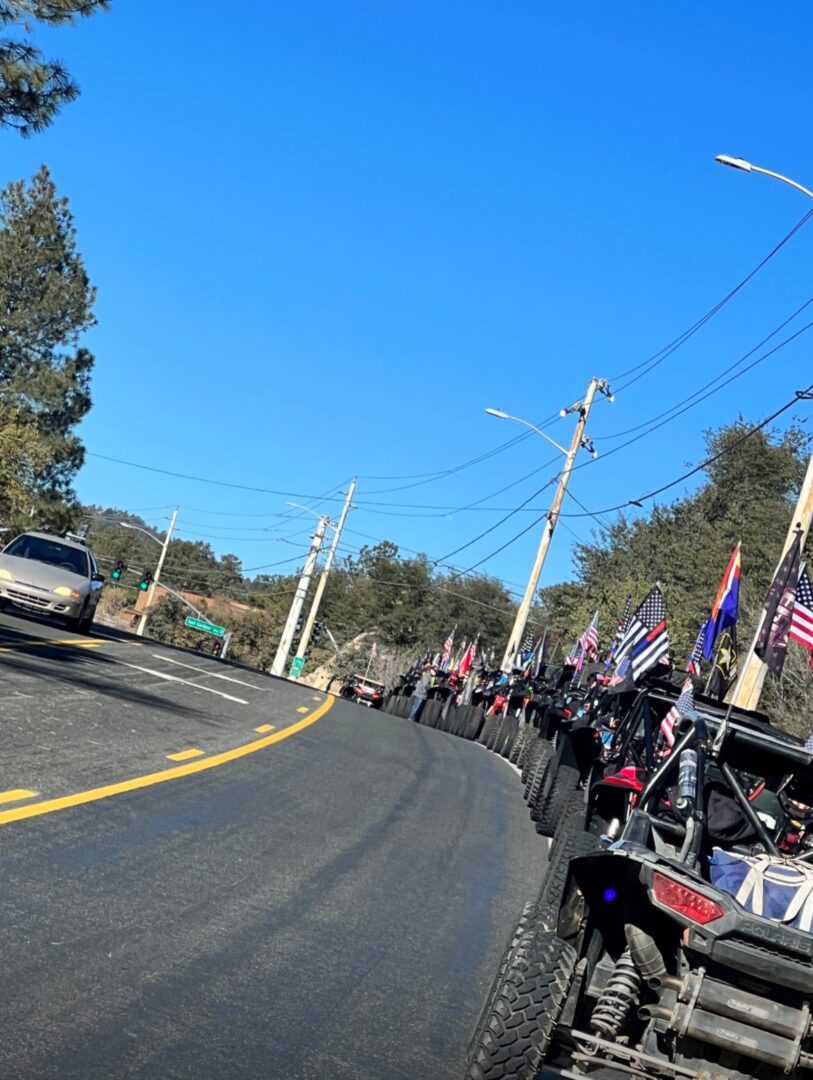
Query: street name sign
[296, 667]
[206, 627]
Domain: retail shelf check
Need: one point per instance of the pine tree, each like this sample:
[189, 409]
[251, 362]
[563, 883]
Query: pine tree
[45, 306]
[33, 89]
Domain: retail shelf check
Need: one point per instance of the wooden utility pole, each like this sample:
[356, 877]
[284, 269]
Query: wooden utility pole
[515, 640]
[752, 675]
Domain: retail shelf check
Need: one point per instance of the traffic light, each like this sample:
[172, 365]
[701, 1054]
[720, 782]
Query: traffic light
[118, 570]
[146, 580]
[217, 648]
[316, 636]
[300, 622]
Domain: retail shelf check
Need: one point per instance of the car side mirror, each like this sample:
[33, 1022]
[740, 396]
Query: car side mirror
[98, 577]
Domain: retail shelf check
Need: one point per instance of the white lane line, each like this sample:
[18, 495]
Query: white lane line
[174, 678]
[212, 674]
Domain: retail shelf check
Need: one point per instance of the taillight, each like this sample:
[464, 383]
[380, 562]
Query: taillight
[685, 901]
[567, 713]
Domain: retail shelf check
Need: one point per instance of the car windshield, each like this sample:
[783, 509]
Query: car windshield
[51, 552]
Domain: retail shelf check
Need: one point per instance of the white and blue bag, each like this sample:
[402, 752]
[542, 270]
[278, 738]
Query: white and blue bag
[774, 888]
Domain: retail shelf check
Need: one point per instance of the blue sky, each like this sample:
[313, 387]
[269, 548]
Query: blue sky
[326, 236]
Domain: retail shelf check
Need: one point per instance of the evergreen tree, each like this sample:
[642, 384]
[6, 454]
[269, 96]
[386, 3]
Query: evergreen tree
[45, 306]
[33, 89]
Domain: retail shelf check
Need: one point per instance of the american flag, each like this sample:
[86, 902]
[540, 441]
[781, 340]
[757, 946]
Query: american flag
[646, 641]
[527, 647]
[801, 624]
[588, 642]
[693, 663]
[684, 704]
[623, 624]
[446, 655]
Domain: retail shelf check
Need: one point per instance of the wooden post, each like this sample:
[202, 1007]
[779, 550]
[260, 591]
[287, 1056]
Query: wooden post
[752, 675]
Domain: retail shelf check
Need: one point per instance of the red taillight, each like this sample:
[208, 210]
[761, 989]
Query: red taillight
[685, 901]
[567, 713]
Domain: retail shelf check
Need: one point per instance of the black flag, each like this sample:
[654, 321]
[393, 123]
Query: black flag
[726, 664]
[772, 643]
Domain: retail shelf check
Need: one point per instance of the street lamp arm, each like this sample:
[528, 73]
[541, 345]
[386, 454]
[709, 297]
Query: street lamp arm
[152, 536]
[747, 166]
[507, 416]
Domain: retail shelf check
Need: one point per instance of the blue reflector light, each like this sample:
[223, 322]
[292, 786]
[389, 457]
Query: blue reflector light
[610, 895]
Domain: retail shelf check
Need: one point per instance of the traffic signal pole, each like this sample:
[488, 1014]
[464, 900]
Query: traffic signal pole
[304, 641]
[521, 621]
[151, 591]
[287, 639]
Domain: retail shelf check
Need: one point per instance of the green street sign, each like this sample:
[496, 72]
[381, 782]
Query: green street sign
[206, 627]
[297, 664]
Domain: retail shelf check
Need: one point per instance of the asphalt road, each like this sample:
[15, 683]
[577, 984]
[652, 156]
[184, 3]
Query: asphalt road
[326, 897]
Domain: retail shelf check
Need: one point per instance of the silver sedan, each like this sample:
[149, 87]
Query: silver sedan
[52, 575]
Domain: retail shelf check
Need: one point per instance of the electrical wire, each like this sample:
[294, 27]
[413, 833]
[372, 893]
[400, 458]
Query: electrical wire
[799, 396]
[676, 408]
[657, 358]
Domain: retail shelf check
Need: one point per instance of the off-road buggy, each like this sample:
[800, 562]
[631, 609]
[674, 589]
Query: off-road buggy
[680, 942]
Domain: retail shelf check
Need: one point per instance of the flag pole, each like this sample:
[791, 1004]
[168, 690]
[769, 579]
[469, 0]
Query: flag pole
[752, 674]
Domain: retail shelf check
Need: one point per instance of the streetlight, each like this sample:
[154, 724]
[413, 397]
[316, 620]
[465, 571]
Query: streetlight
[518, 419]
[747, 166]
[579, 440]
[164, 546]
[152, 536]
[585, 443]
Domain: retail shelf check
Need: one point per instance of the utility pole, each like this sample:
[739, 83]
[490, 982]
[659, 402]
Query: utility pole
[151, 593]
[304, 641]
[752, 676]
[285, 642]
[583, 409]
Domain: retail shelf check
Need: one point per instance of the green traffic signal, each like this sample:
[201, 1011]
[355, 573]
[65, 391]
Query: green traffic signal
[118, 570]
[146, 580]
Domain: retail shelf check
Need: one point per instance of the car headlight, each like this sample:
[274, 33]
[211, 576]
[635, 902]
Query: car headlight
[5, 575]
[63, 590]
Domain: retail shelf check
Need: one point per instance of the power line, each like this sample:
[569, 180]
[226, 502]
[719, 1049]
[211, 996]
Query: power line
[676, 408]
[657, 358]
[799, 396]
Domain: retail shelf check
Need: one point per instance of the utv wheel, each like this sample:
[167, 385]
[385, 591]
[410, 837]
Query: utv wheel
[488, 730]
[534, 745]
[515, 1031]
[539, 780]
[492, 742]
[520, 743]
[551, 810]
[571, 842]
[508, 734]
[538, 757]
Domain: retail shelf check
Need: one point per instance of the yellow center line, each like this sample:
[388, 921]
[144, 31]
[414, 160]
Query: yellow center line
[264, 727]
[50, 806]
[184, 755]
[16, 794]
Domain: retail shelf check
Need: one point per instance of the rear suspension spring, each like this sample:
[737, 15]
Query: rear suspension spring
[617, 997]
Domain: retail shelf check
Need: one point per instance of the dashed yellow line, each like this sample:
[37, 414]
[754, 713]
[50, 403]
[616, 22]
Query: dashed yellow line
[264, 727]
[50, 806]
[17, 794]
[303, 708]
[316, 699]
[185, 755]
